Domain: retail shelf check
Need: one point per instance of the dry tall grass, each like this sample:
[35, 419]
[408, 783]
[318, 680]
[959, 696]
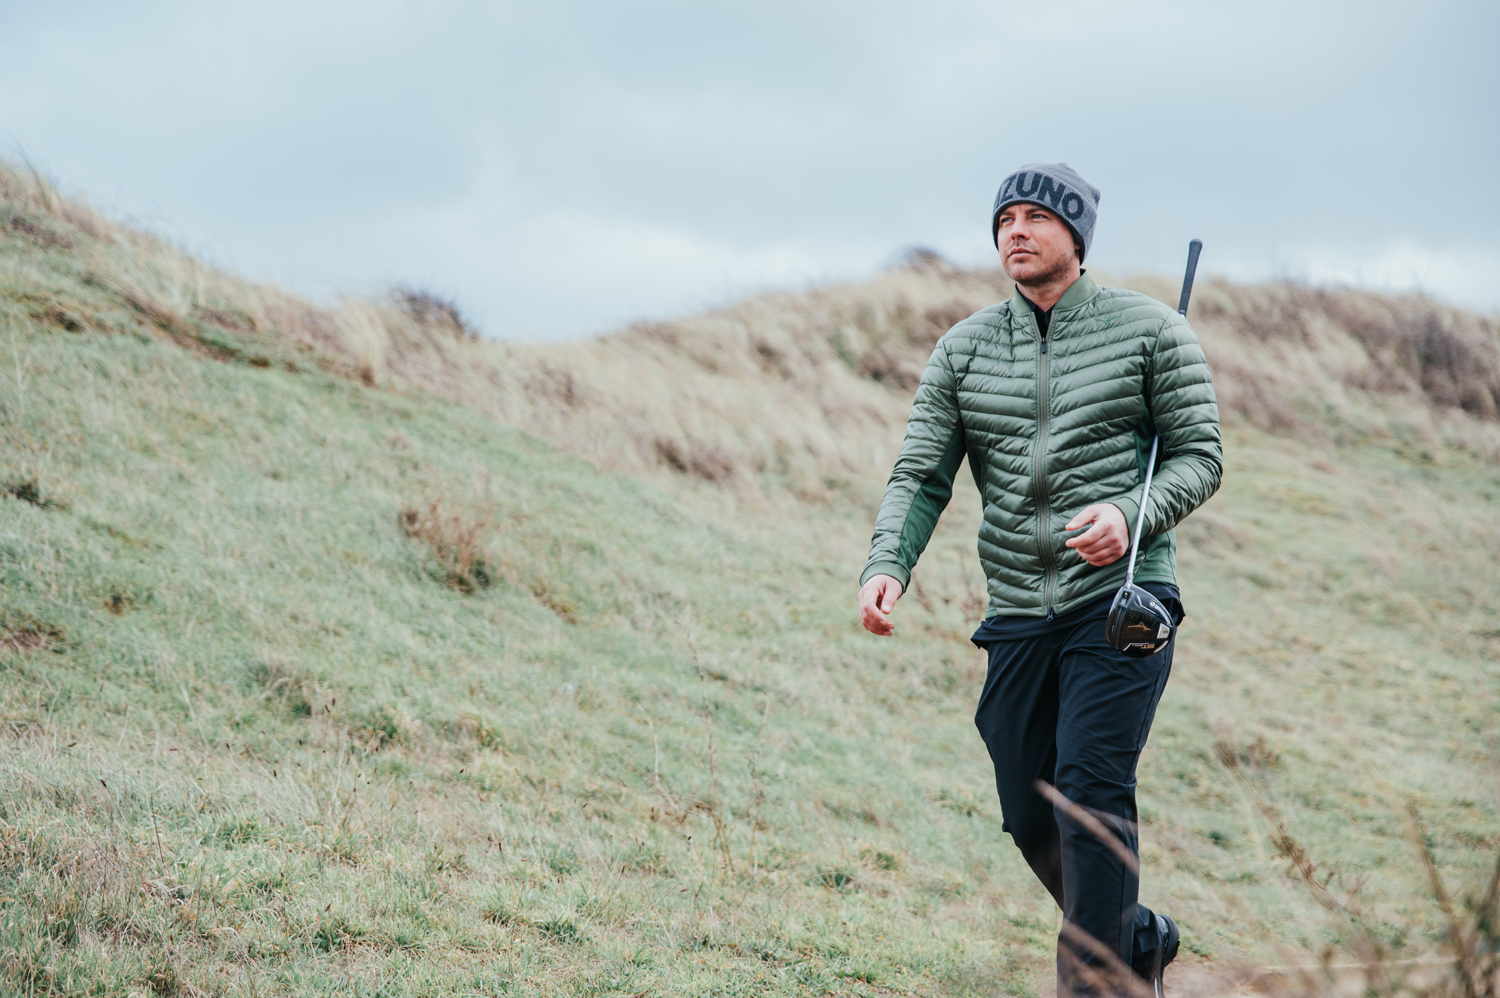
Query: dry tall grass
[805, 390]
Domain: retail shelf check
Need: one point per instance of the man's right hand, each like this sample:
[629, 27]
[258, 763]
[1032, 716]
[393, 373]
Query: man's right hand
[877, 598]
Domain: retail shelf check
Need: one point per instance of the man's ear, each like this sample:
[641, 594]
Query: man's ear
[1078, 248]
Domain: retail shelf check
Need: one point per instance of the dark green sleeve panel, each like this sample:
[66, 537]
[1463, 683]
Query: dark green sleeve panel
[930, 501]
[922, 482]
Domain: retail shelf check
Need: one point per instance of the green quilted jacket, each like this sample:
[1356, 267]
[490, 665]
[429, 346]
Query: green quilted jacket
[1051, 425]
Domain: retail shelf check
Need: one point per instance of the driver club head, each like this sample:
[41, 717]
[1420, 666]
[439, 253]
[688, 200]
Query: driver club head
[1138, 624]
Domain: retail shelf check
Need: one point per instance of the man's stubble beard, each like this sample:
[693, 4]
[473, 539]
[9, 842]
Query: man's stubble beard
[1056, 272]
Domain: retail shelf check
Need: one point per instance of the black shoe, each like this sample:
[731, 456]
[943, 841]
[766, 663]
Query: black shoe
[1166, 951]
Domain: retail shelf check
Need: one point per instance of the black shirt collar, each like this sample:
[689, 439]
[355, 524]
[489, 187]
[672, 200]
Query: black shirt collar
[1043, 318]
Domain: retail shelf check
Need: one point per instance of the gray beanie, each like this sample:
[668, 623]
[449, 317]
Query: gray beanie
[1057, 187]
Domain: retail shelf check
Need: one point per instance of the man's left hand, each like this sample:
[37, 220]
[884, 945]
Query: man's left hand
[1107, 537]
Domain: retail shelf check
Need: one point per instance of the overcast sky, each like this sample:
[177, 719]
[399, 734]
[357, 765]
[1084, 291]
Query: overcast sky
[561, 168]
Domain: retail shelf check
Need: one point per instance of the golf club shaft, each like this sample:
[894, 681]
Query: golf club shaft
[1194, 248]
[1140, 517]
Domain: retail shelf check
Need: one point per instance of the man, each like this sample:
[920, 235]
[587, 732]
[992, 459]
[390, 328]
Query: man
[1054, 396]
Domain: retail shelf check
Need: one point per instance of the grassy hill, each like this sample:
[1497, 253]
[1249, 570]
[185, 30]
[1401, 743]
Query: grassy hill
[343, 652]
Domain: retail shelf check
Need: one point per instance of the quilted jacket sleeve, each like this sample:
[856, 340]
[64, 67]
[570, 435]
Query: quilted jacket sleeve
[1186, 415]
[922, 482]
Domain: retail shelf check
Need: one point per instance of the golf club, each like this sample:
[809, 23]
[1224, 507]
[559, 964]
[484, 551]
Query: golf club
[1138, 624]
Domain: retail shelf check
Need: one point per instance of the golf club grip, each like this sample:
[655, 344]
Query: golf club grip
[1194, 248]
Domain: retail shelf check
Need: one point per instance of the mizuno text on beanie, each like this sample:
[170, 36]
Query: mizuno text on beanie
[1056, 187]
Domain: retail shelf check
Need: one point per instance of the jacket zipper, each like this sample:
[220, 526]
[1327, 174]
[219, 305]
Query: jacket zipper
[1041, 466]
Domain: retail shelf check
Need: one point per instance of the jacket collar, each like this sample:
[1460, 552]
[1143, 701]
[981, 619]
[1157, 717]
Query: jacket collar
[1078, 292]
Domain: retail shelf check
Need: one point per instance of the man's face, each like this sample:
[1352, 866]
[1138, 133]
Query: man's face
[1035, 244]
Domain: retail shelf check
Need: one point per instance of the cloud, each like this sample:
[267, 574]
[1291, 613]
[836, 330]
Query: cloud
[565, 273]
[1464, 275]
[572, 165]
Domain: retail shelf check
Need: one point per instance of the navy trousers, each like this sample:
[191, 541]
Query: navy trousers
[1064, 707]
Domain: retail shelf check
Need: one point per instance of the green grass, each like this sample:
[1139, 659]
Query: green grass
[256, 737]
[262, 740]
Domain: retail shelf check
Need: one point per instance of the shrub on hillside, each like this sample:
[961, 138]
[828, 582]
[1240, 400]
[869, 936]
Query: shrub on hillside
[457, 540]
[431, 311]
